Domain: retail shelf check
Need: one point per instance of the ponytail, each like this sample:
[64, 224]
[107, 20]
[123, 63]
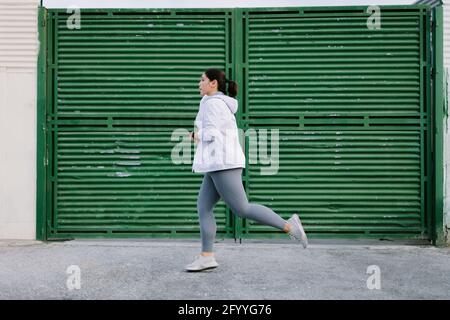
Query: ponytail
[228, 87]
[232, 88]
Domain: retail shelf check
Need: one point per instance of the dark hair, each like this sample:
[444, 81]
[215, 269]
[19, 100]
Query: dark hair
[223, 83]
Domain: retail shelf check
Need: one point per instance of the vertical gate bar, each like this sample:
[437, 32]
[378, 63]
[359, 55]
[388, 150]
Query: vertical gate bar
[422, 91]
[41, 147]
[428, 134]
[245, 101]
[229, 70]
[237, 62]
[50, 124]
[55, 134]
[438, 123]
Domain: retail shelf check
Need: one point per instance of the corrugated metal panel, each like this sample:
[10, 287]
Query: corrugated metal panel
[18, 35]
[345, 181]
[349, 104]
[124, 181]
[124, 82]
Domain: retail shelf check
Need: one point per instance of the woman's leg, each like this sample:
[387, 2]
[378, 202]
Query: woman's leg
[228, 184]
[207, 199]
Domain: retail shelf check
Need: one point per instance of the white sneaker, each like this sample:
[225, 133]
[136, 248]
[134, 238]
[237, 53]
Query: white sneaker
[297, 231]
[202, 263]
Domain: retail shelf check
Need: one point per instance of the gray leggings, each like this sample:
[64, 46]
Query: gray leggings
[227, 185]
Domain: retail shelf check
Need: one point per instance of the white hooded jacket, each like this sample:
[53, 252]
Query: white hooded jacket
[219, 147]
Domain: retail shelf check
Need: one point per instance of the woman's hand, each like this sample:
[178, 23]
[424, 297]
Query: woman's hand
[193, 136]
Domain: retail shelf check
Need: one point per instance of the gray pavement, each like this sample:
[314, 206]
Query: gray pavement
[254, 269]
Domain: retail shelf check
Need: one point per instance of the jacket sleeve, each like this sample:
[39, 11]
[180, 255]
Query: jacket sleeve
[212, 120]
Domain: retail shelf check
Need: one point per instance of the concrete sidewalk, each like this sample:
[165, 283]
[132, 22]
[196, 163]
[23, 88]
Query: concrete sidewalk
[272, 269]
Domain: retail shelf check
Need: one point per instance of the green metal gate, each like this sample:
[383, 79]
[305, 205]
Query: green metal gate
[120, 86]
[351, 105]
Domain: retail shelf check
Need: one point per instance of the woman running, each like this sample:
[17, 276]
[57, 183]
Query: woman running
[220, 158]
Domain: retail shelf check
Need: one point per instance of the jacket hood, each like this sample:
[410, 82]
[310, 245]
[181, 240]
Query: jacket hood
[232, 103]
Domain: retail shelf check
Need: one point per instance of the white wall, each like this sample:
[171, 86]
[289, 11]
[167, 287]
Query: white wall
[18, 57]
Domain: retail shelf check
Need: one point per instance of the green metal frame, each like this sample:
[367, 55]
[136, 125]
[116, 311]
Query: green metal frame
[238, 69]
[41, 146]
[439, 236]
